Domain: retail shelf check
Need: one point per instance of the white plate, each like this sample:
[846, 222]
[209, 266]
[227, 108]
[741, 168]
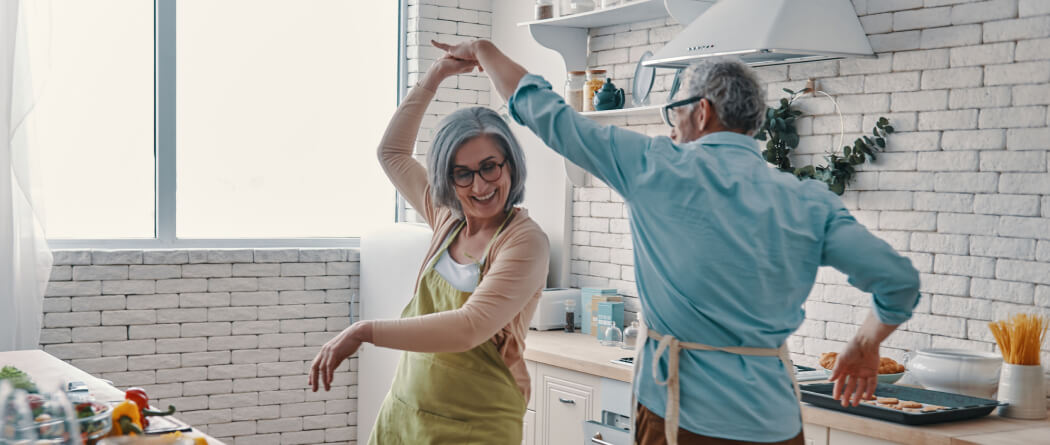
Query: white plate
[643, 81]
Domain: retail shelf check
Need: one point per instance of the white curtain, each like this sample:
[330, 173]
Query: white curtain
[25, 260]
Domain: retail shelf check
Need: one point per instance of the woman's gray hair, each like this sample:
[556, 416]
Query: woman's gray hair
[454, 131]
[732, 88]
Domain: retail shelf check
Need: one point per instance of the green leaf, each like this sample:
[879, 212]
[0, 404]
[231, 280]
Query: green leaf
[881, 142]
[788, 91]
[761, 135]
[838, 188]
[888, 129]
[791, 139]
[783, 102]
[845, 151]
[883, 121]
[875, 132]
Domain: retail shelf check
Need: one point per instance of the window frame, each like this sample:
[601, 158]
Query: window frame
[164, 149]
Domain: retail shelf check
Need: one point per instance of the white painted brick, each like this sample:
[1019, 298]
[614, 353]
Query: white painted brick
[206, 270]
[282, 312]
[335, 282]
[922, 18]
[233, 400]
[965, 182]
[1018, 29]
[1043, 251]
[888, 162]
[159, 361]
[1001, 247]
[156, 301]
[256, 356]
[206, 387]
[275, 255]
[182, 285]
[948, 161]
[1031, 94]
[1033, 7]
[895, 41]
[181, 315]
[188, 300]
[974, 140]
[1022, 227]
[919, 221]
[907, 340]
[985, 11]
[938, 325]
[75, 350]
[220, 372]
[109, 302]
[73, 288]
[327, 310]
[206, 358]
[885, 200]
[952, 78]
[983, 54]
[905, 181]
[892, 5]
[253, 298]
[280, 369]
[233, 284]
[94, 333]
[920, 100]
[474, 30]
[255, 327]
[1042, 296]
[1014, 161]
[1027, 271]
[323, 421]
[802, 71]
[129, 347]
[301, 297]
[944, 284]
[1033, 49]
[481, 5]
[923, 262]
[889, 83]
[165, 257]
[88, 273]
[979, 97]
[963, 307]
[948, 120]
[1009, 291]
[231, 429]
[305, 353]
[173, 345]
[129, 287]
[342, 268]
[70, 319]
[1025, 183]
[966, 224]
[864, 103]
[816, 310]
[955, 343]
[184, 374]
[950, 36]
[206, 329]
[281, 283]
[256, 413]
[304, 325]
[944, 202]
[458, 15]
[280, 425]
[153, 331]
[57, 304]
[939, 243]
[132, 317]
[920, 60]
[61, 273]
[116, 257]
[302, 269]
[1017, 73]
[71, 257]
[1007, 205]
[232, 313]
[1013, 117]
[964, 265]
[877, 23]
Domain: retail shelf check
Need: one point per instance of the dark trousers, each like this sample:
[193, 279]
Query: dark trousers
[649, 430]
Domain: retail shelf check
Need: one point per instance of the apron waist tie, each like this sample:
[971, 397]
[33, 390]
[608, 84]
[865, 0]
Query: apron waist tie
[674, 347]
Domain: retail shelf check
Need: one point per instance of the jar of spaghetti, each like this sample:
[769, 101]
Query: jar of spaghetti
[595, 80]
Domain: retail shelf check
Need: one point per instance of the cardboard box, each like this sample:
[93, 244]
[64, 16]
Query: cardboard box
[589, 298]
[610, 313]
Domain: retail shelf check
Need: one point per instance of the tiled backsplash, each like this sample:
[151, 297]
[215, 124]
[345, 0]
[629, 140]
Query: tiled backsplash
[963, 189]
[227, 336]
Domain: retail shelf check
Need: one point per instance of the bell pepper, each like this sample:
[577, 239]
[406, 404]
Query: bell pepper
[126, 419]
[138, 395]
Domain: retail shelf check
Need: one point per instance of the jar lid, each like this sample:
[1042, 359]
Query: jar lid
[596, 71]
[577, 73]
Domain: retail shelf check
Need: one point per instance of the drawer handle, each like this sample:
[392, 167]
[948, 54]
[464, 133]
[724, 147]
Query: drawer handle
[569, 401]
[597, 439]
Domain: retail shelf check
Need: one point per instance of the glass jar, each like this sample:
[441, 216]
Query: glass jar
[595, 80]
[630, 336]
[570, 316]
[578, 6]
[544, 9]
[613, 336]
[574, 84]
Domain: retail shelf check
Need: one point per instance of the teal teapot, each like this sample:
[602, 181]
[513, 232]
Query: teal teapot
[609, 97]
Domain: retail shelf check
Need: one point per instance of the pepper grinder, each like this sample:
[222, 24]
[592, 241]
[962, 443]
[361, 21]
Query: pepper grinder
[570, 316]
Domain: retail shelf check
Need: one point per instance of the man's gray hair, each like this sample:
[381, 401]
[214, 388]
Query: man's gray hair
[732, 88]
[454, 131]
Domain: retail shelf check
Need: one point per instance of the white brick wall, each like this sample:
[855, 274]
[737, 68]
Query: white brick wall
[231, 353]
[963, 191]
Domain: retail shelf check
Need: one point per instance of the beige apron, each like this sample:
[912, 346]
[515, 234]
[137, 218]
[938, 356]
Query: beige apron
[674, 347]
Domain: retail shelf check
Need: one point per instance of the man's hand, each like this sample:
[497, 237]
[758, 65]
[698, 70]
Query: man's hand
[856, 372]
[462, 51]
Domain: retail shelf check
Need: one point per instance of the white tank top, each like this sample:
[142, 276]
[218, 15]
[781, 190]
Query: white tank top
[463, 277]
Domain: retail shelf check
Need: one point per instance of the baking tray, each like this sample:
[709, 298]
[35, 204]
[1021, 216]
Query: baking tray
[960, 407]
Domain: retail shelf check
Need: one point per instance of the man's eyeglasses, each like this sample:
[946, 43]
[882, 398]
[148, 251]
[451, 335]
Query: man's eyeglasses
[490, 171]
[666, 112]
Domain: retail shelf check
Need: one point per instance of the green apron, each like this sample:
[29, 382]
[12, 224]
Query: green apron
[451, 397]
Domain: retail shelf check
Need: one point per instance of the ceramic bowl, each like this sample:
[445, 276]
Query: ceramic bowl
[959, 371]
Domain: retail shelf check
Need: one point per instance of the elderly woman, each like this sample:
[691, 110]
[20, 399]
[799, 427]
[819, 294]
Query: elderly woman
[462, 377]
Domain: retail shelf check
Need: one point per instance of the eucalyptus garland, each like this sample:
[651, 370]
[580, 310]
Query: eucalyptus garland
[781, 138]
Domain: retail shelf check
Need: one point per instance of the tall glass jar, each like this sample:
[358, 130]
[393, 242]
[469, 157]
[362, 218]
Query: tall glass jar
[544, 9]
[595, 80]
[578, 6]
[574, 89]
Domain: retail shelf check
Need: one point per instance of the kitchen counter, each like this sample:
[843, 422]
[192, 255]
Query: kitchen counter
[46, 369]
[583, 353]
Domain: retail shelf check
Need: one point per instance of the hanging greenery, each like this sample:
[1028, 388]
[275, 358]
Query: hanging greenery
[781, 138]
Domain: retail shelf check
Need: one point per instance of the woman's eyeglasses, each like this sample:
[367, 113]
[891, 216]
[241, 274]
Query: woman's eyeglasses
[490, 171]
[666, 112]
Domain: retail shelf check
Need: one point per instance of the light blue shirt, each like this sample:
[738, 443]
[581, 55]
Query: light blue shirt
[726, 250]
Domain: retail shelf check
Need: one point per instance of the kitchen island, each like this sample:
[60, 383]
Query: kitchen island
[46, 369]
[582, 353]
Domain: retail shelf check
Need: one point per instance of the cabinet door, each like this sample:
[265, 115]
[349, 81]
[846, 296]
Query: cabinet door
[565, 409]
[815, 434]
[838, 437]
[531, 368]
[528, 436]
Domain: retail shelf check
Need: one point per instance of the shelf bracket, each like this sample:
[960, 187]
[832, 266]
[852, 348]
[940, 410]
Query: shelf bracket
[571, 43]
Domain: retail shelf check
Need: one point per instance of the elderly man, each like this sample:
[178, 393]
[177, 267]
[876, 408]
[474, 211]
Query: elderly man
[726, 251]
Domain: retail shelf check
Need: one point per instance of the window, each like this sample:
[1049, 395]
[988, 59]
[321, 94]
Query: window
[250, 121]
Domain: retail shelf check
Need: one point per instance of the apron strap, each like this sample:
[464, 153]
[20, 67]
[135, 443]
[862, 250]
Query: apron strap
[673, 347]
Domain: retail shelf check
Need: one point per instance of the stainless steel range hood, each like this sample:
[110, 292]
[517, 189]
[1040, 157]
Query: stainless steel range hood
[765, 32]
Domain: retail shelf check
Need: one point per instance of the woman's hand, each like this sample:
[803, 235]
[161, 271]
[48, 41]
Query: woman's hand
[856, 372]
[335, 351]
[445, 67]
[462, 51]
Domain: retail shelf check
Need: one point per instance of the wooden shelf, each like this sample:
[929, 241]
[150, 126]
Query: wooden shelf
[635, 11]
[624, 111]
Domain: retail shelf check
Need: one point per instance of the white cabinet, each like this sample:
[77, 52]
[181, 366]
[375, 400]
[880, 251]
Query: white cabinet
[531, 368]
[815, 434]
[838, 437]
[528, 436]
[563, 401]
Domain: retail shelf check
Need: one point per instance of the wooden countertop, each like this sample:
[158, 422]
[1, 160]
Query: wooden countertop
[46, 369]
[583, 353]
